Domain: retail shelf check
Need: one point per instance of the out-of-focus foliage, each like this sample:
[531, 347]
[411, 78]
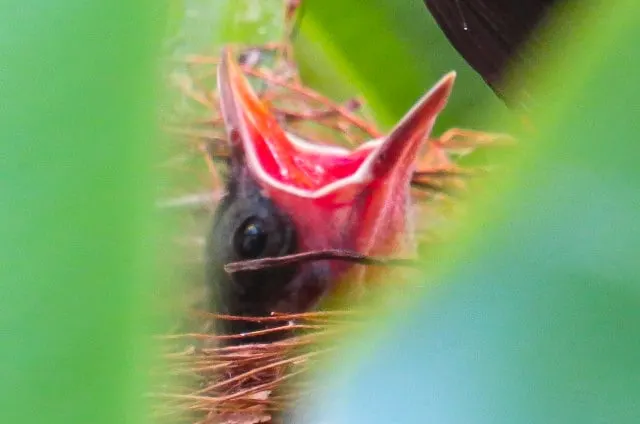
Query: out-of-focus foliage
[77, 83]
[391, 52]
[535, 314]
[204, 26]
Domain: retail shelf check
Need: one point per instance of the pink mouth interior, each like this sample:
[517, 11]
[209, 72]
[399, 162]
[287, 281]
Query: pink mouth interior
[312, 170]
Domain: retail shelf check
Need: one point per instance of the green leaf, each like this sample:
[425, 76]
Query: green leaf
[535, 316]
[210, 24]
[77, 125]
[391, 52]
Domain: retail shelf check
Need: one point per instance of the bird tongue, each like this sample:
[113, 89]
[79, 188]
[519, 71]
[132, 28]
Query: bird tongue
[338, 198]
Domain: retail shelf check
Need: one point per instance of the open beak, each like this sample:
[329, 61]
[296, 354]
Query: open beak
[305, 178]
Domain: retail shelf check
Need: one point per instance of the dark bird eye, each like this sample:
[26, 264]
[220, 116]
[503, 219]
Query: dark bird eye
[251, 239]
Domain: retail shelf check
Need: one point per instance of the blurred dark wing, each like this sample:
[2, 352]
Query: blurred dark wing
[489, 34]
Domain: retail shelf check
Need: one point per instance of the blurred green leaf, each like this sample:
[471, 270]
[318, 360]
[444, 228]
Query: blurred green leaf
[77, 83]
[209, 24]
[391, 52]
[536, 314]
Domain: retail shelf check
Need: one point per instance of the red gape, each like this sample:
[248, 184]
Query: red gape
[338, 199]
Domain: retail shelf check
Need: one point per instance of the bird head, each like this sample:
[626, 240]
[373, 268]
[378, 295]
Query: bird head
[287, 195]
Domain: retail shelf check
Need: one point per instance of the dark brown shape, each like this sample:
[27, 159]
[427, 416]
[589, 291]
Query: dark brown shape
[491, 34]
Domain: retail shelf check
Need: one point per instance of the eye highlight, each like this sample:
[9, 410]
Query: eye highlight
[251, 239]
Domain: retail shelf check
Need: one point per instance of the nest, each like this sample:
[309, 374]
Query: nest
[243, 384]
[254, 383]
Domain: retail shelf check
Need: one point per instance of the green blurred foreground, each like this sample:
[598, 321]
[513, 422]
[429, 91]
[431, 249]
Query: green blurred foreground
[77, 127]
